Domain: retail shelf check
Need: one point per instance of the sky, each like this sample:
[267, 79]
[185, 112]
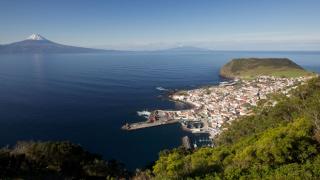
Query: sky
[160, 24]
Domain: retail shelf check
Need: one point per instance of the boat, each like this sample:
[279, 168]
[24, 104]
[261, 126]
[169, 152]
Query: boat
[144, 113]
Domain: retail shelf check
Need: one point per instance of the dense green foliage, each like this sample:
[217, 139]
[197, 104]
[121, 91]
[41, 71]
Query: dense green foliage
[252, 67]
[277, 142]
[55, 160]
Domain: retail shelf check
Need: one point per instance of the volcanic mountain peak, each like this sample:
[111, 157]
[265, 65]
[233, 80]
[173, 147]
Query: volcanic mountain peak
[36, 37]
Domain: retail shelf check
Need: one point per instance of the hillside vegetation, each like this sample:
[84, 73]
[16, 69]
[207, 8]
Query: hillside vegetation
[277, 142]
[251, 67]
[55, 160]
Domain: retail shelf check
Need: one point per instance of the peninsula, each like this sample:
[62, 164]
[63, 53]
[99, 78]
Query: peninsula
[214, 106]
[249, 68]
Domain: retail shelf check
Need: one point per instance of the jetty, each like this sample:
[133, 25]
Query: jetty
[147, 124]
[156, 118]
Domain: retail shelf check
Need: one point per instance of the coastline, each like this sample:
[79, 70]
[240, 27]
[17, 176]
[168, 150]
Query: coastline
[212, 106]
[169, 96]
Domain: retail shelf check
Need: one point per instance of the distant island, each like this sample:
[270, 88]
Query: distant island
[248, 68]
[183, 49]
[38, 44]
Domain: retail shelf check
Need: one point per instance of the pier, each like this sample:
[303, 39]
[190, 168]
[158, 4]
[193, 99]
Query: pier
[147, 124]
[156, 118]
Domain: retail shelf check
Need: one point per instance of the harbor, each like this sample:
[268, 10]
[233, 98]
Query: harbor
[213, 106]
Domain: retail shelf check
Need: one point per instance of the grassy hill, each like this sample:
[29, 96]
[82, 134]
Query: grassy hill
[251, 67]
[277, 142]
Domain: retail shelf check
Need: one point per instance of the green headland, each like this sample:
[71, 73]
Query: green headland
[247, 68]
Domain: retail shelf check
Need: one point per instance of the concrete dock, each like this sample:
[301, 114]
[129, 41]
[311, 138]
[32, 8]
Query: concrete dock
[147, 124]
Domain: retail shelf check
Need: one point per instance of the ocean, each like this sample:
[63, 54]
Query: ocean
[86, 98]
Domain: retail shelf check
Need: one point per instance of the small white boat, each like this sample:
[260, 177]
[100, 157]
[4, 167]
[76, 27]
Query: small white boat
[144, 113]
[161, 89]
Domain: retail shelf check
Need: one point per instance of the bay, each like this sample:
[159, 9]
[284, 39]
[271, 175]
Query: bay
[86, 98]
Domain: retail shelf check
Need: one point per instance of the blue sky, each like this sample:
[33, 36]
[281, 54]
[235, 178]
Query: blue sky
[156, 24]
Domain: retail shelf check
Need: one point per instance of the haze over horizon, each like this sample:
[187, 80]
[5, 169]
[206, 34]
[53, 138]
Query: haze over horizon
[149, 25]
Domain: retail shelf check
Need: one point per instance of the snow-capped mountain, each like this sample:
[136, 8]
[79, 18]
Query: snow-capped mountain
[38, 44]
[36, 37]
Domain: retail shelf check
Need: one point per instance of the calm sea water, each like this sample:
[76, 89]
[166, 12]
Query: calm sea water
[86, 98]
